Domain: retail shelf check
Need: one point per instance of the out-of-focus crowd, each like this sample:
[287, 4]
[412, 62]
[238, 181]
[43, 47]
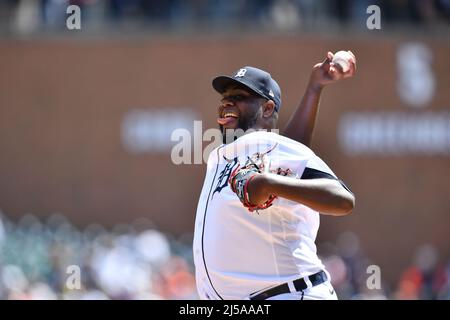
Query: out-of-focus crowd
[54, 259]
[356, 276]
[28, 16]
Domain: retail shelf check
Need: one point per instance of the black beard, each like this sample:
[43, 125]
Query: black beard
[245, 123]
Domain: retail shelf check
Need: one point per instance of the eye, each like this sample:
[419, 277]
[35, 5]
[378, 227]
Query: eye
[237, 97]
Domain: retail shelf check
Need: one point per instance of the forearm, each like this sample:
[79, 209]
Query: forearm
[300, 127]
[324, 195]
[301, 124]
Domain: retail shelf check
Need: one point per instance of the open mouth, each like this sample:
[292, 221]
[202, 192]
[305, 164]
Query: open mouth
[228, 118]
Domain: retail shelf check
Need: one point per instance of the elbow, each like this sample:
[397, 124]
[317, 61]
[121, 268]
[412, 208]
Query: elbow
[345, 205]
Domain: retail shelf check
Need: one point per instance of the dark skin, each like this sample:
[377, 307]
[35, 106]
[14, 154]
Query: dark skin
[301, 125]
[241, 108]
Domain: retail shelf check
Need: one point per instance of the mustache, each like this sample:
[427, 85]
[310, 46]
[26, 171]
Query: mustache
[245, 123]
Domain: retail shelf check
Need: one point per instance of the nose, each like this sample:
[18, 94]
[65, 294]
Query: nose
[227, 101]
[224, 103]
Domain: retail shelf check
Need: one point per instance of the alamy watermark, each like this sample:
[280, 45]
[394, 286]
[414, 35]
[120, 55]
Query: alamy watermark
[73, 281]
[73, 21]
[373, 281]
[190, 149]
[374, 20]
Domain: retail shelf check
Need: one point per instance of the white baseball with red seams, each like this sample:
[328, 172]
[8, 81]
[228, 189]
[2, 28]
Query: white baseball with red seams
[343, 59]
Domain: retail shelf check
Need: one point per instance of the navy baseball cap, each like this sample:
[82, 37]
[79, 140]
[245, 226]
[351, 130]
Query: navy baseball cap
[257, 80]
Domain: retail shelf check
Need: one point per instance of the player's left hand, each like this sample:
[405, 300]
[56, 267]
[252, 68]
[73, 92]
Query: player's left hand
[240, 178]
[326, 72]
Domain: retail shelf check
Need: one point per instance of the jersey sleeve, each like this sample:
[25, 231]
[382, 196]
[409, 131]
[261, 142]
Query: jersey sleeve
[284, 156]
[316, 168]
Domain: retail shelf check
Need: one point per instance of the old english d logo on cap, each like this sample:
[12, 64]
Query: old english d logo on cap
[240, 73]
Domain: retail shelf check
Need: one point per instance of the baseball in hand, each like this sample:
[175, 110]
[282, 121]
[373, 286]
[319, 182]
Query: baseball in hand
[342, 59]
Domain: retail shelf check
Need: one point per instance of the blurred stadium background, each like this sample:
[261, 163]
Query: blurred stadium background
[86, 116]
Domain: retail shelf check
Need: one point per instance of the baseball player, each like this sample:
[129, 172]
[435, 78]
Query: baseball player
[258, 212]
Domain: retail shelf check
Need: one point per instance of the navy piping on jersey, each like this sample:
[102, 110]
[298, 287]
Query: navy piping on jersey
[204, 219]
[311, 173]
[308, 173]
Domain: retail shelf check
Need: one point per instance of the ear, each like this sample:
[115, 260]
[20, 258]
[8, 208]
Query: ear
[268, 109]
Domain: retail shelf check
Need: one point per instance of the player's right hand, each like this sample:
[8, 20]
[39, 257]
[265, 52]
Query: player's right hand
[326, 72]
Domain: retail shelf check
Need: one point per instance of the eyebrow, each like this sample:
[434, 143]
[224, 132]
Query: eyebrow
[235, 91]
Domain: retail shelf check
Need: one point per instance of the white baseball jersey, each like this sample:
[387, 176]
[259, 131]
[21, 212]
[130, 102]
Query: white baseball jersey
[237, 252]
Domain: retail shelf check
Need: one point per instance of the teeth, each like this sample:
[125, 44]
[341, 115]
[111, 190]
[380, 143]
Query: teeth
[229, 114]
